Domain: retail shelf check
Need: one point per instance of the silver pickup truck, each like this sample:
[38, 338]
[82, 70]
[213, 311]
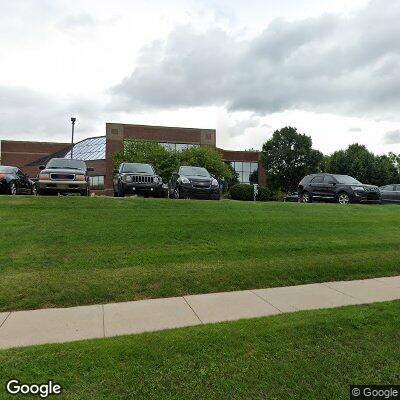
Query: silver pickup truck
[63, 175]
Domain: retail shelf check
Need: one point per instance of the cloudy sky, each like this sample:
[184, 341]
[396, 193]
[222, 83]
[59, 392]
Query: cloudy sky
[245, 68]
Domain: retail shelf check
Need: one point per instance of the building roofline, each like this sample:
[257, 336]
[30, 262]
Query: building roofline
[161, 126]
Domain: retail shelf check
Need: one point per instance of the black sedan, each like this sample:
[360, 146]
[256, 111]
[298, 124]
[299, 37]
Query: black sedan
[190, 182]
[390, 193]
[13, 181]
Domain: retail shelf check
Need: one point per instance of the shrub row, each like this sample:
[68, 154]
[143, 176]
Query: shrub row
[245, 192]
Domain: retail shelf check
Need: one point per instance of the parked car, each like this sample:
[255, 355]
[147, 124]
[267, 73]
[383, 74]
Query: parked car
[13, 181]
[190, 182]
[292, 197]
[340, 188]
[390, 193]
[64, 176]
[137, 178]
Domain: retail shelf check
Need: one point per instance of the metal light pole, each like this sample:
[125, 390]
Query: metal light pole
[72, 138]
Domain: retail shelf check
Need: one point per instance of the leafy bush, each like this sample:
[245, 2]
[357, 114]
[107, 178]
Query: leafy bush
[242, 191]
[245, 192]
[208, 158]
[265, 194]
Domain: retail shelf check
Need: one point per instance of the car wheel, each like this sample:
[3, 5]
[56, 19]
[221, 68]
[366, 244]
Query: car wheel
[13, 189]
[85, 193]
[343, 198]
[177, 193]
[306, 198]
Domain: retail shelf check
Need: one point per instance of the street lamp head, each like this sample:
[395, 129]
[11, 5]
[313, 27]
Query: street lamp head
[73, 119]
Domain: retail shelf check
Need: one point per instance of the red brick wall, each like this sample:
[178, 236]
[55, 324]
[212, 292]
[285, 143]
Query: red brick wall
[19, 154]
[162, 134]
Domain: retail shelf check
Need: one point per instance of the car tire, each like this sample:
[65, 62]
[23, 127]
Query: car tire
[177, 193]
[85, 193]
[13, 189]
[306, 197]
[343, 198]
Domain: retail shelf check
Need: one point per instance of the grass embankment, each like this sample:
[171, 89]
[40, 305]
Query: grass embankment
[305, 355]
[71, 251]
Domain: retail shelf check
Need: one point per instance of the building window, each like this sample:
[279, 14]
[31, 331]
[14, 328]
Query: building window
[96, 182]
[178, 146]
[244, 169]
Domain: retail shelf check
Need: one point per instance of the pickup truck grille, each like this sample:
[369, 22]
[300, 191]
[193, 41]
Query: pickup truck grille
[62, 177]
[142, 179]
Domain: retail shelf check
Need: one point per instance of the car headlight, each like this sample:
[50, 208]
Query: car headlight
[214, 182]
[79, 177]
[127, 178]
[44, 176]
[184, 179]
[358, 188]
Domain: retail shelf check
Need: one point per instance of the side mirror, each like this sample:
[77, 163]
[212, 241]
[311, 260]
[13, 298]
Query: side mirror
[89, 169]
[42, 167]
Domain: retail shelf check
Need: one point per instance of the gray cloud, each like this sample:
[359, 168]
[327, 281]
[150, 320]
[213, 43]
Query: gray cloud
[339, 64]
[392, 137]
[25, 113]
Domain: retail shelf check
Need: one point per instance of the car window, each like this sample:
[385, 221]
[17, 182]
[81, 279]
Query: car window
[346, 180]
[7, 170]
[328, 179]
[318, 179]
[396, 188]
[64, 163]
[388, 188]
[137, 168]
[194, 171]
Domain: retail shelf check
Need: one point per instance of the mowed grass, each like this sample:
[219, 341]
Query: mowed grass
[70, 250]
[305, 355]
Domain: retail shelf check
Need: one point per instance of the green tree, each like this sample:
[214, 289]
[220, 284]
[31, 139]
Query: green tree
[253, 178]
[359, 162]
[139, 151]
[209, 158]
[166, 161]
[288, 156]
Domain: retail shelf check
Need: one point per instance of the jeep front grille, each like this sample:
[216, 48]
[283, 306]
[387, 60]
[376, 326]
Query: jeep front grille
[142, 179]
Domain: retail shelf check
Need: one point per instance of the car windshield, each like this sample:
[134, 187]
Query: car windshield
[7, 170]
[346, 180]
[64, 163]
[138, 168]
[194, 171]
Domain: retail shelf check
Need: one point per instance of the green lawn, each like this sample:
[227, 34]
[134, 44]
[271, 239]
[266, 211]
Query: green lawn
[305, 355]
[69, 251]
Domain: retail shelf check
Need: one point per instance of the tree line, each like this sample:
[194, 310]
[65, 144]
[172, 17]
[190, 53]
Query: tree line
[288, 156]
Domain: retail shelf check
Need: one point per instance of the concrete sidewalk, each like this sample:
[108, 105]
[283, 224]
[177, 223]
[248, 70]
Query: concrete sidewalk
[25, 328]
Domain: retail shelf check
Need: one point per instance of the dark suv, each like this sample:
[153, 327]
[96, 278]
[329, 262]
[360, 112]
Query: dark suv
[190, 182]
[137, 178]
[340, 188]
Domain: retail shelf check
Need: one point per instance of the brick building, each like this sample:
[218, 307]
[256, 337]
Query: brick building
[98, 151]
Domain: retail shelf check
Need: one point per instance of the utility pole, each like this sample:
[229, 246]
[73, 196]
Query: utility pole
[73, 119]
